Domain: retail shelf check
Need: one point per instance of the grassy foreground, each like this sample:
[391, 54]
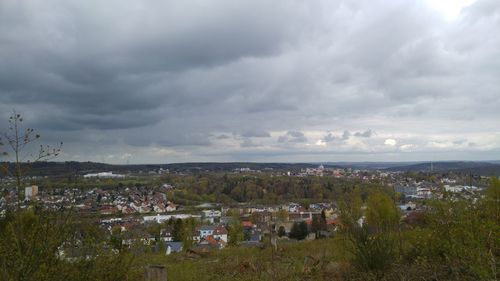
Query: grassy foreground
[305, 260]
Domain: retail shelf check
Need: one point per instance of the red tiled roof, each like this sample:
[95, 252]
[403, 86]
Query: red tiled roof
[246, 224]
[220, 230]
[211, 240]
[333, 222]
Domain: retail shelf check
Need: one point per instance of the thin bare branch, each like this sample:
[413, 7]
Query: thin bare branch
[18, 140]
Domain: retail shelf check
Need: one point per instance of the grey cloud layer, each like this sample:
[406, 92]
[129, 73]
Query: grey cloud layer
[173, 81]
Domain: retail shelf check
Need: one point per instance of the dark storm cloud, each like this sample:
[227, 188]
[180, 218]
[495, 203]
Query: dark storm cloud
[185, 140]
[346, 135]
[222, 137]
[293, 137]
[248, 143]
[329, 138]
[256, 134]
[176, 80]
[366, 134]
[102, 71]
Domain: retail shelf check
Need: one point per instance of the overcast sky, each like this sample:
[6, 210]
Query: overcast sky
[290, 81]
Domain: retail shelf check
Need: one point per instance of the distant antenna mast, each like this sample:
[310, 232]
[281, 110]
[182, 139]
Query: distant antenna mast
[432, 167]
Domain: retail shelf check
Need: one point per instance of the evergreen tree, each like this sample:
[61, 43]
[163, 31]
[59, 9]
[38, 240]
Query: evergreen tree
[178, 232]
[299, 230]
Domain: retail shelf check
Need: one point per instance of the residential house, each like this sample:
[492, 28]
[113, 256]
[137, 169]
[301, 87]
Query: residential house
[166, 234]
[217, 232]
[211, 216]
[171, 207]
[220, 233]
[209, 242]
[160, 208]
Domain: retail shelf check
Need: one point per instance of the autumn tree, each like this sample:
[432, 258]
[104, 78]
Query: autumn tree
[381, 211]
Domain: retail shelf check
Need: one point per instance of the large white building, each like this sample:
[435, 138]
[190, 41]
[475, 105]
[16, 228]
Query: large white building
[161, 218]
[104, 175]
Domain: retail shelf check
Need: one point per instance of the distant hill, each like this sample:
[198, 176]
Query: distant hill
[477, 168]
[369, 165]
[486, 170]
[73, 167]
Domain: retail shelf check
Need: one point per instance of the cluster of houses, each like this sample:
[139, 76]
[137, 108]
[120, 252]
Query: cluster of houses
[124, 204]
[205, 237]
[133, 232]
[414, 190]
[256, 222]
[141, 200]
[346, 173]
[135, 201]
[129, 200]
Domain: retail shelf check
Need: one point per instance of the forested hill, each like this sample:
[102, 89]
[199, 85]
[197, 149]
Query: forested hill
[73, 167]
[465, 167]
